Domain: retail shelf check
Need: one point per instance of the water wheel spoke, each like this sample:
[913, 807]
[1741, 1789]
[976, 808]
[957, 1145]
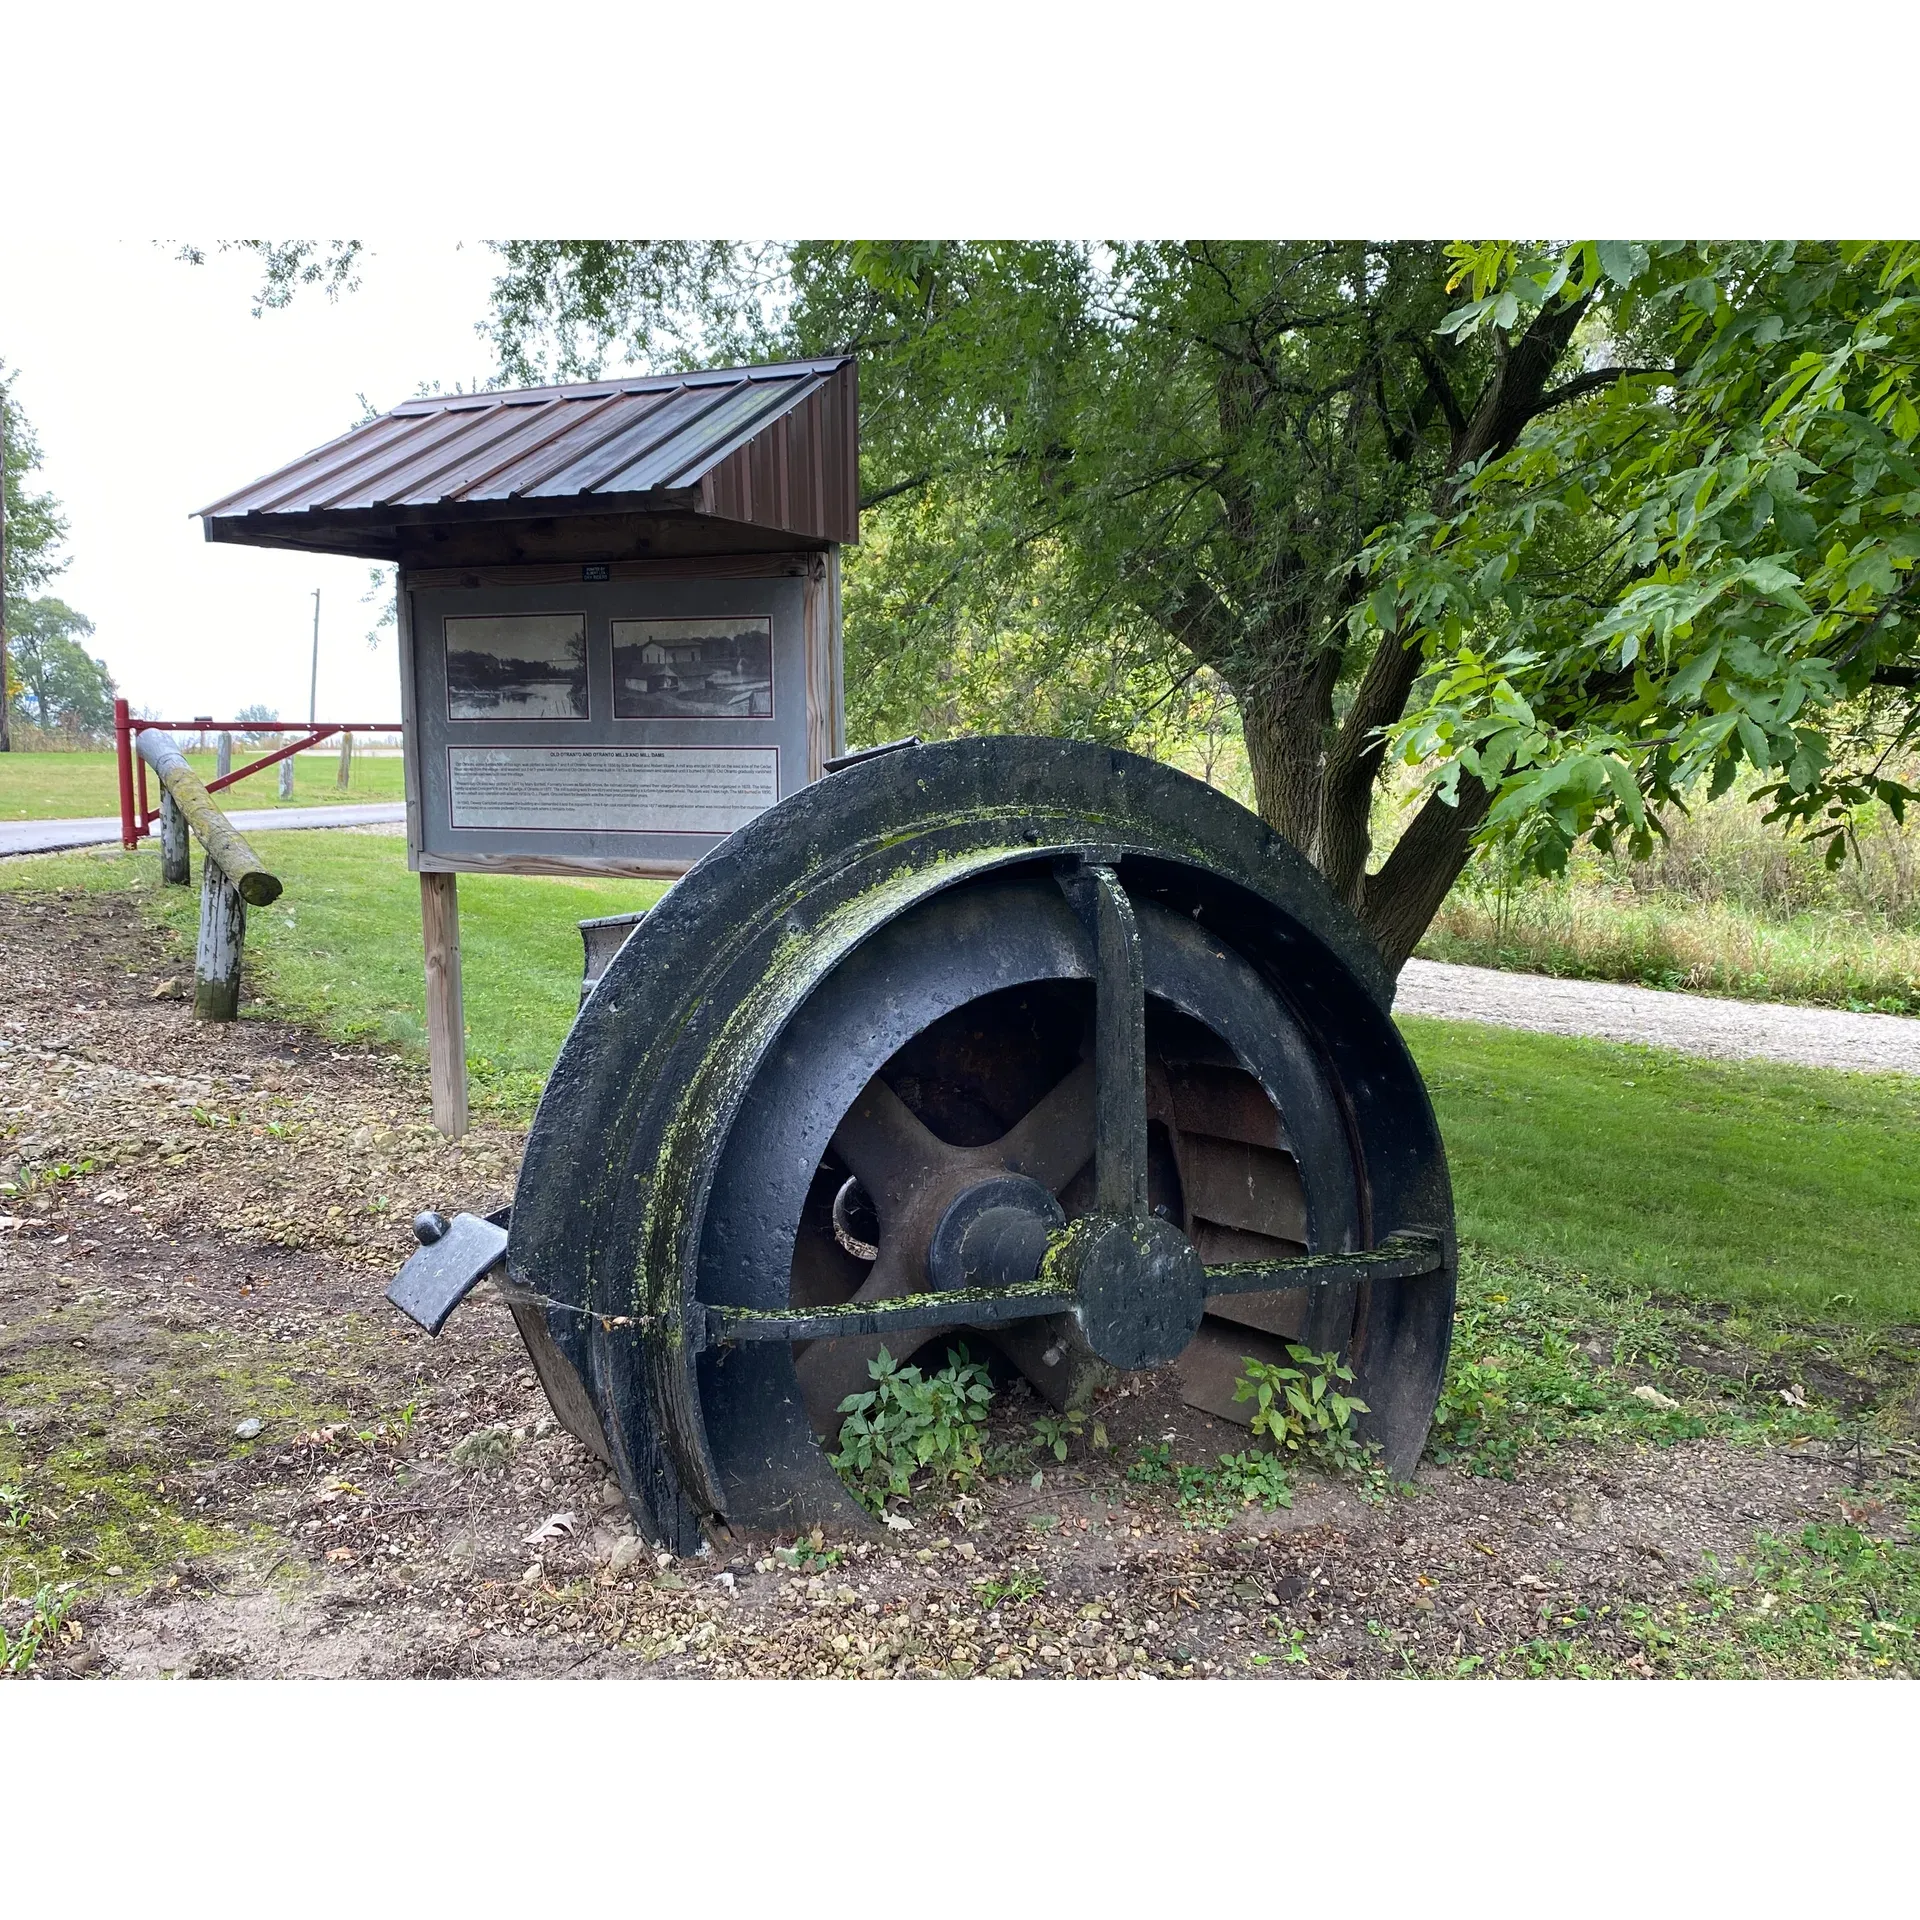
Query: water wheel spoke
[886, 1147]
[1120, 1052]
[1054, 1140]
[1402, 1256]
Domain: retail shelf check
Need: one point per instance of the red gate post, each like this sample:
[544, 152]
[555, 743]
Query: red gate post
[123, 752]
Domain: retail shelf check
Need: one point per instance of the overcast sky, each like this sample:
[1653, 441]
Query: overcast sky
[155, 391]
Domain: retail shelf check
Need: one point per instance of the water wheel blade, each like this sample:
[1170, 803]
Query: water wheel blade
[1232, 1184]
[1215, 1358]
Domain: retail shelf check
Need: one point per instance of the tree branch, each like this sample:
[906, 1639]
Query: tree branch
[1589, 383]
[1439, 385]
[1402, 898]
[888, 493]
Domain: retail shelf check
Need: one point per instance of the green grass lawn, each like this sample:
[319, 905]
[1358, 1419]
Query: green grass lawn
[83, 786]
[1791, 1190]
[1796, 1188]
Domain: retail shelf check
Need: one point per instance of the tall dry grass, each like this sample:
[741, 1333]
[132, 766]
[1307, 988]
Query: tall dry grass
[1726, 905]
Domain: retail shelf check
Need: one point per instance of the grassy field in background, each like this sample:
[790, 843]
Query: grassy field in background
[1726, 904]
[1792, 1190]
[84, 786]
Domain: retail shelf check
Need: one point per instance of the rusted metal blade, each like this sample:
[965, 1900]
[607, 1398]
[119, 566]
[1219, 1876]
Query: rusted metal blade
[1213, 1362]
[1224, 1102]
[1255, 1189]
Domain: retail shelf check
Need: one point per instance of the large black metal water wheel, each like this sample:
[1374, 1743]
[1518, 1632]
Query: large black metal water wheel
[1025, 1041]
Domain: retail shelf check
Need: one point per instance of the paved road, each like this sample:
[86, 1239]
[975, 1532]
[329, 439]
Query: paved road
[1687, 1022]
[51, 836]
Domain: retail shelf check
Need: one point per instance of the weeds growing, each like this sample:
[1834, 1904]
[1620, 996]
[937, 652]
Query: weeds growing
[908, 1424]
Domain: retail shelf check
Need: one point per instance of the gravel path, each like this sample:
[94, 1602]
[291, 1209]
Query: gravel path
[53, 836]
[1686, 1022]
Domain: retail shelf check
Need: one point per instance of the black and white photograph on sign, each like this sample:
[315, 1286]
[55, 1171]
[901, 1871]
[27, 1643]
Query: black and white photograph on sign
[517, 666]
[693, 669]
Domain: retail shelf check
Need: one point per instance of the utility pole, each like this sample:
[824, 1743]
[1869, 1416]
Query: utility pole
[313, 684]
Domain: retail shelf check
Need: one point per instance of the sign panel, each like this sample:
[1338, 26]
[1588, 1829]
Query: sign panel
[625, 717]
[620, 789]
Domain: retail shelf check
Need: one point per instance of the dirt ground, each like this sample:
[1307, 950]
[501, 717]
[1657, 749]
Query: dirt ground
[203, 1224]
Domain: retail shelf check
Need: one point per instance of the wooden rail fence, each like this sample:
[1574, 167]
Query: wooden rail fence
[231, 876]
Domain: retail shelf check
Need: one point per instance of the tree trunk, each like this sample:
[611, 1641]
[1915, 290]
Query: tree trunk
[1398, 901]
[1413, 883]
[1286, 717]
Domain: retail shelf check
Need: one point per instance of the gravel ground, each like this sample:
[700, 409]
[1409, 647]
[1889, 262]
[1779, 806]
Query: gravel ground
[1686, 1022]
[246, 1464]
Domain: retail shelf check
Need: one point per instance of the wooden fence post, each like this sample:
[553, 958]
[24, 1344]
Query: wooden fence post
[286, 778]
[175, 864]
[446, 1017]
[223, 933]
[346, 760]
[223, 756]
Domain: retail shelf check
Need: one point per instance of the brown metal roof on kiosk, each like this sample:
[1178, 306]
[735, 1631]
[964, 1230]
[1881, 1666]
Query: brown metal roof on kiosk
[731, 460]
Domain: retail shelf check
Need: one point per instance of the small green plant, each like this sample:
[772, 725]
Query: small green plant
[907, 1423]
[1300, 1409]
[1256, 1479]
[1020, 1586]
[15, 1513]
[1053, 1431]
[1152, 1465]
[810, 1554]
[46, 1614]
[1294, 1648]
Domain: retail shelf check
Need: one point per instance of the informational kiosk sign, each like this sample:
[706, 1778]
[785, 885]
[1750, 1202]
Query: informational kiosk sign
[620, 718]
[619, 618]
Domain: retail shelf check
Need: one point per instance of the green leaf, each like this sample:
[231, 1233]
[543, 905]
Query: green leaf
[1622, 261]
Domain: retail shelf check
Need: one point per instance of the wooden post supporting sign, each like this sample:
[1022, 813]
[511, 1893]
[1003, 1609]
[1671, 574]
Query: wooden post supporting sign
[446, 1017]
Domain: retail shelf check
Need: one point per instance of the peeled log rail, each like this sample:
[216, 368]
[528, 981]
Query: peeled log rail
[232, 878]
[225, 847]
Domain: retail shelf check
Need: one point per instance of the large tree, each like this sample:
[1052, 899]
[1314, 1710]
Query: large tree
[1122, 452]
[63, 688]
[31, 529]
[1572, 530]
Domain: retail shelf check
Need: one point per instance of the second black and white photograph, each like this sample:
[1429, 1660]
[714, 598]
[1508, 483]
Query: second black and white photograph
[708, 669]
